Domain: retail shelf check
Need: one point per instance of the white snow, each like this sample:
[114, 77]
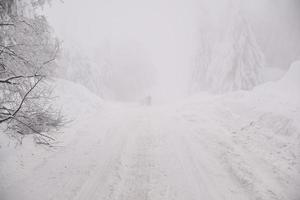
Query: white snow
[232, 61]
[240, 145]
[272, 74]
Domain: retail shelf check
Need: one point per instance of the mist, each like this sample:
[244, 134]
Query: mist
[168, 36]
[149, 99]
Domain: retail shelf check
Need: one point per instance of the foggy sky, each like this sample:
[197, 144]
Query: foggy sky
[168, 30]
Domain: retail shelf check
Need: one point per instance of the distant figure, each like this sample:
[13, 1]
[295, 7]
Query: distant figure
[146, 101]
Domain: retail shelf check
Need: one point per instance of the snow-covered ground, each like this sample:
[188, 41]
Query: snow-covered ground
[241, 145]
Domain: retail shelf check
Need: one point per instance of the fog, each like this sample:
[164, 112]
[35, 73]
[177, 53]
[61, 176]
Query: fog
[162, 37]
[149, 99]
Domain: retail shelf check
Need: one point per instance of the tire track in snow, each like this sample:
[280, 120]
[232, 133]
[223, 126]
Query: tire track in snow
[139, 174]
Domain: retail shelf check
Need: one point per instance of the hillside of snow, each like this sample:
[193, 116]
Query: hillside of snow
[261, 147]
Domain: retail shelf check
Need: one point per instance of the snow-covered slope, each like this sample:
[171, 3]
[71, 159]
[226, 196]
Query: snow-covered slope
[286, 89]
[75, 99]
[258, 133]
[290, 83]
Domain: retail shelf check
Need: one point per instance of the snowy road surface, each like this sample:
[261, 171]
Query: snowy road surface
[137, 153]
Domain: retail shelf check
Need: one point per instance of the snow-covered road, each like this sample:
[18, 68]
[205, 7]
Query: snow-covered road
[184, 152]
[240, 146]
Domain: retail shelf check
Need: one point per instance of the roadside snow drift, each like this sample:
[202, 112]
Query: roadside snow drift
[20, 160]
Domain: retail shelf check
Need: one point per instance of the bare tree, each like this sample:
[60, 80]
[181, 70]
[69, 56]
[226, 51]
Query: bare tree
[27, 55]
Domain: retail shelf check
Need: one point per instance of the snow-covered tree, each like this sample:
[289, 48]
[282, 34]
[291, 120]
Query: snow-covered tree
[201, 63]
[80, 67]
[231, 61]
[27, 52]
[238, 59]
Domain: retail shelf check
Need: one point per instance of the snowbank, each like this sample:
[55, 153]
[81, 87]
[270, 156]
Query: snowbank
[291, 81]
[260, 132]
[74, 99]
[17, 161]
[286, 90]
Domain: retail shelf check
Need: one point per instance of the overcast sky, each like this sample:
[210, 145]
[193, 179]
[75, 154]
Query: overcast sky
[170, 26]
[167, 31]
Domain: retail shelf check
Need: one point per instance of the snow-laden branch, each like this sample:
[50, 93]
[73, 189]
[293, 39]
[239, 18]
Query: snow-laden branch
[12, 116]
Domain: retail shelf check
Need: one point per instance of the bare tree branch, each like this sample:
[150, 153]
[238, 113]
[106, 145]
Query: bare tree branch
[13, 53]
[7, 24]
[21, 103]
[50, 60]
[26, 49]
[35, 131]
[25, 96]
[9, 79]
